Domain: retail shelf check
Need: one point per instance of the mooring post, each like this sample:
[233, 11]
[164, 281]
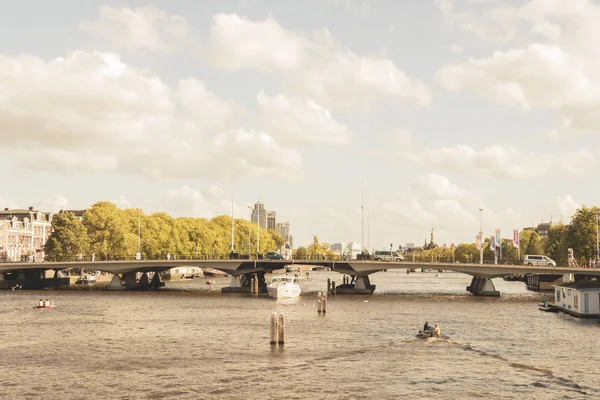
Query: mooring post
[319, 301]
[273, 328]
[328, 285]
[281, 326]
[333, 288]
[324, 304]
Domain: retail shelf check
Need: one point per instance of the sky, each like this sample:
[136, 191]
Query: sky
[364, 121]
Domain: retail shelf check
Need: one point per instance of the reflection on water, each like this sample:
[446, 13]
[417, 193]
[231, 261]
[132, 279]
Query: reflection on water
[192, 342]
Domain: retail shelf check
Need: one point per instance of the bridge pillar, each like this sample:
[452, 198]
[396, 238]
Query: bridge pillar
[130, 280]
[358, 285]
[144, 284]
[482, 287]
[116, 284]
[156, 282]
[1, 276]
[241, 283]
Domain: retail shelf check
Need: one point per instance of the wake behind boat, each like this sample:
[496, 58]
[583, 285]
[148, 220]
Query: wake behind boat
[282, 287]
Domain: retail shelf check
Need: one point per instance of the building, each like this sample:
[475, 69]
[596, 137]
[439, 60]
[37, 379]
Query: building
[581, 299]
[23, 234]
[542, 229]
[259, 215]
[338, 248]
[283, 229]
[271, 220]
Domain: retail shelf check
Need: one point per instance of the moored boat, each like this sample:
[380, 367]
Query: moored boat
[547, 307]
[284, 287]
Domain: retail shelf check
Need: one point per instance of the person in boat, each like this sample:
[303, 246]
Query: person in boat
[41, 303]
[51, 302]
[46, 303]
[436, 331]
[426, 327]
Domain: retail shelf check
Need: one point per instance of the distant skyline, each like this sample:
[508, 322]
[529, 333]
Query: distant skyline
[438, 107]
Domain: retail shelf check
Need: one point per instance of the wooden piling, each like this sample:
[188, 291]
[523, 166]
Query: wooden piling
[281, 326]
[328, 285]
[333, 288]
[273, 328]
[319, 302]
[324, 304]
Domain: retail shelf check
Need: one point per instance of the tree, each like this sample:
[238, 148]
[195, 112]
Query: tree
[582, 234]
[68, 240]
[108, 231]
[300, 253]
[530, 242]
[556, 245]
[466, 253]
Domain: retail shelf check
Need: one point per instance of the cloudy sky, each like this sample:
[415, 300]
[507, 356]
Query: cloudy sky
[423, 111]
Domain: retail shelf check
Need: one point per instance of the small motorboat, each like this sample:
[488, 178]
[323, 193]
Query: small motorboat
[547, 307]
[49, 307]
[284, 287]
[428, 334]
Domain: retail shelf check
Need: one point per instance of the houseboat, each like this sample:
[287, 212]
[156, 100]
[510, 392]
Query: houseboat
[581, 299]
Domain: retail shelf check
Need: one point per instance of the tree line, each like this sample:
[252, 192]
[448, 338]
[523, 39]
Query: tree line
[108, 232]
[579, 235]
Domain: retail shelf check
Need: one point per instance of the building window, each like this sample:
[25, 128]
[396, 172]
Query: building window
[575, 302]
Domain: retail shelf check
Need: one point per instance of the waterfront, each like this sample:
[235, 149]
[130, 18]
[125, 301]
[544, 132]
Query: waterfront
[192, 342]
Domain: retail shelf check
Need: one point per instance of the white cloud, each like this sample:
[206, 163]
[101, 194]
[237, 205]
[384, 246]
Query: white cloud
[434, 186]
[239, 43]
[207, 202]
[90, 112]
[500, 161]
[560, 208]
[560, 73]
[313, 66]
[294, 121]
[143, 28]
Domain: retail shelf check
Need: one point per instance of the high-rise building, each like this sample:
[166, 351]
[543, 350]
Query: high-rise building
[283, 228]
[259, 215]
[271, 222]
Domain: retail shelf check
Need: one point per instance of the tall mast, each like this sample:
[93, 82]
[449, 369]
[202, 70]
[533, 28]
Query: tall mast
[362, 218]
[232, 222]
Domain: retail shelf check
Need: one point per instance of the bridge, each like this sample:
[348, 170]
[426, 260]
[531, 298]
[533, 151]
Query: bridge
[133, 274]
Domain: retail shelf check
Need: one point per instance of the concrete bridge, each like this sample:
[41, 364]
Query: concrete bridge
[32, 275]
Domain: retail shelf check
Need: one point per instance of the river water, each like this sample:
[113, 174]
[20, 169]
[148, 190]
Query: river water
[192, 342]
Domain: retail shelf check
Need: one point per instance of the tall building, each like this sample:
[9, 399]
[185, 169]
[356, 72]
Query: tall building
[283, 228]
[259, 215]
[23, 234]
[271, 220]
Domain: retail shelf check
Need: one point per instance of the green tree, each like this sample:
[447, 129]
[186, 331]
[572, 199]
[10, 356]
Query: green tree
[556, 245]
[68, 240]
[530, 243]
[466, 253]
[582, 234]
[108, 231]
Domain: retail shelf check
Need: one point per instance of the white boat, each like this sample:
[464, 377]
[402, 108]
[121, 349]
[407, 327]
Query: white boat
[282, 287]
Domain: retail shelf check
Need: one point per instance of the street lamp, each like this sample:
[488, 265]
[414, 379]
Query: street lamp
[138, 255]
[597, 247]
[481, 235]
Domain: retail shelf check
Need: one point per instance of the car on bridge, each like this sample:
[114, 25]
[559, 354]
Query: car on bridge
[387, 256]
[274, 256]
[539, 261]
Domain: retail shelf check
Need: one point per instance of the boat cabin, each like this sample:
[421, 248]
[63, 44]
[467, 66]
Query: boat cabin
[581, 299]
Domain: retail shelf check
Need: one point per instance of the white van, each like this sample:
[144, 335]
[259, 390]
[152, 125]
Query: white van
[387, 256]
[539, 261]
